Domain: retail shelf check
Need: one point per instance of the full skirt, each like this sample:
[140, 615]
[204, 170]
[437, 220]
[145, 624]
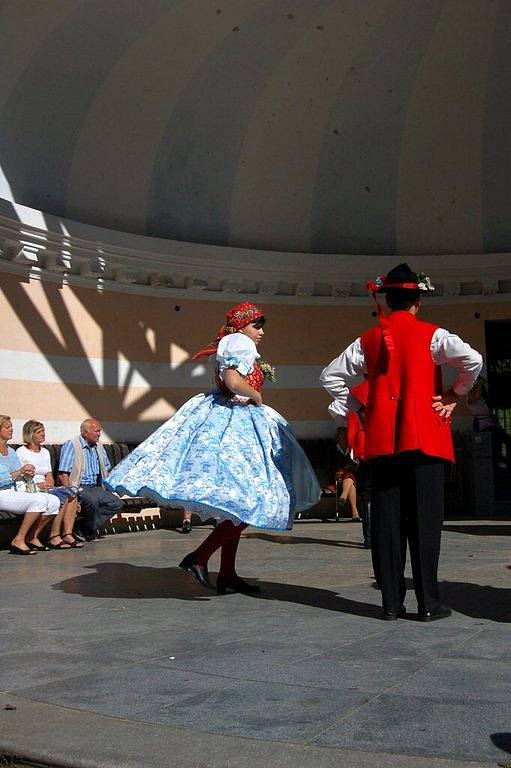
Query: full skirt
[222, 459]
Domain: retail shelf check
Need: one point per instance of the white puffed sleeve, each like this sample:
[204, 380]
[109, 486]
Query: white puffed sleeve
[236, 351]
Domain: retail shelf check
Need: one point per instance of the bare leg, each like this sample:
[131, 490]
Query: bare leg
[352, 500]
[69, 510]
[347, 485]
[40, 525]
[30, 519]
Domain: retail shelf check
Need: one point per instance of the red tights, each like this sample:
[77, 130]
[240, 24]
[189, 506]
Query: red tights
[227, 536]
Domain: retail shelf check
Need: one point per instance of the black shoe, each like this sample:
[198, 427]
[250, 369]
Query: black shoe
[440, 613]
[186, 527]
[91, 536]
[236, 584]
[393, 615]
[199, 572]
[14, 550]
[79, 534]
[342, 509]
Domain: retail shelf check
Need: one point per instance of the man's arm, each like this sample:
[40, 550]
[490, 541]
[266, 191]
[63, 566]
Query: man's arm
[66, 461]
[343, 373]
[449, 349]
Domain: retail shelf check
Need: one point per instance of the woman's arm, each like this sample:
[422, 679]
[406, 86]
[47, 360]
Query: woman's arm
[48, 482]
[239, 386]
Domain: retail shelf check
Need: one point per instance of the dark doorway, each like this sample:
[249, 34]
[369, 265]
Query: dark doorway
[498, 362]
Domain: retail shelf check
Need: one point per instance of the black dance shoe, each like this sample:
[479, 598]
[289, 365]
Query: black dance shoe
[199, 572]
[186, 527]
[236, 584]
[393, 615]
[440, 613]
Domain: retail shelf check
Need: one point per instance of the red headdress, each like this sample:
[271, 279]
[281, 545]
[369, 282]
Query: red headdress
[238, 317]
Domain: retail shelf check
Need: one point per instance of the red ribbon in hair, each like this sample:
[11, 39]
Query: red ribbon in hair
[238, 317]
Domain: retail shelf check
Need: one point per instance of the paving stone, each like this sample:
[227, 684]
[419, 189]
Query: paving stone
[118, 632]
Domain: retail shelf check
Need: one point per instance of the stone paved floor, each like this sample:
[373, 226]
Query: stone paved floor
[115, 638]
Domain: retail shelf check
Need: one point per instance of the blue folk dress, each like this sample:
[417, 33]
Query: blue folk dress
[221, 457]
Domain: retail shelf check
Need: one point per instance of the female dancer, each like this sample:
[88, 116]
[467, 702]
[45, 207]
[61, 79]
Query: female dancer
[225, 455]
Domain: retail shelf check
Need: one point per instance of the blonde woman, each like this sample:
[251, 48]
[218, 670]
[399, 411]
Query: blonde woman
[35, 507]
[32, 451]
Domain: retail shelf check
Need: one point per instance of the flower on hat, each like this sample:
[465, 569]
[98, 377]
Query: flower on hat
[424, 282]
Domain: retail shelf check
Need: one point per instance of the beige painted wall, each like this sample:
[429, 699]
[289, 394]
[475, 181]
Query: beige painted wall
[69, 352]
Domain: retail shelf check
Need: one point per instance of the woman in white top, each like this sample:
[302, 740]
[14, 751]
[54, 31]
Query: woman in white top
[35, 507]
[61, 536]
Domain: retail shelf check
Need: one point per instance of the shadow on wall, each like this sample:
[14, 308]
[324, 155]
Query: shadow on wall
[103, 399]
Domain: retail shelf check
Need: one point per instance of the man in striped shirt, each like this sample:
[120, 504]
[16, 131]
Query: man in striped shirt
[84, 463]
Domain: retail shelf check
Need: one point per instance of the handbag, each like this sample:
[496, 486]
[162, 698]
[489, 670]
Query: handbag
[26, 485]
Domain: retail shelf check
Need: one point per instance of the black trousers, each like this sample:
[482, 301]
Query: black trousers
[407, 506]
[97, 505]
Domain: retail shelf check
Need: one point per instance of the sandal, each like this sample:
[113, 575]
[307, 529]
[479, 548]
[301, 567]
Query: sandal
[75, 544]
[14, 550]
[39, 547]
[60, 545]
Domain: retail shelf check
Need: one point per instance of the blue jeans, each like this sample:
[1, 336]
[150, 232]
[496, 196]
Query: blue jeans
[97, 506]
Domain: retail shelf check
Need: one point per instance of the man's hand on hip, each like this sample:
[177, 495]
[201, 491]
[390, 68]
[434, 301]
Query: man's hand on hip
[445, 404]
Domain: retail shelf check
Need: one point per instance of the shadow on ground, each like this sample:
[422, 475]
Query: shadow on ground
[502, 741]
[127, 581]
[283, 539]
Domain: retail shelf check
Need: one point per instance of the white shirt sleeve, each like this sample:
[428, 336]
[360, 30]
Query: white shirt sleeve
[340, 376]
[236, 351]
[449, 349]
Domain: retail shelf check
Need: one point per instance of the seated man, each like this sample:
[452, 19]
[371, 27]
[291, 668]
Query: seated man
[83, 462]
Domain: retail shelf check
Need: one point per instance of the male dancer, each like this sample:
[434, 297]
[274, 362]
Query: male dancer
[407, 434]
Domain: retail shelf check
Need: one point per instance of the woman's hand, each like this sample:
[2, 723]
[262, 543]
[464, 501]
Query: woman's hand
[45, 485]
[26, 469]
[256, 399]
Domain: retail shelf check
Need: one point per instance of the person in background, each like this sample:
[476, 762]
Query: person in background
[485, 421]
[407, 433]
[83, 462]
[33, 506]
[346, 478]
[354, 447]
[186, 525]
[32, 451]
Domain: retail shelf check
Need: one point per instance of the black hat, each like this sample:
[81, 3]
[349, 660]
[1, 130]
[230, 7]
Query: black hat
[403, 278]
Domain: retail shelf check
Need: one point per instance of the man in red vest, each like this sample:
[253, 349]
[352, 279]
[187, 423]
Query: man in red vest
[407, 433]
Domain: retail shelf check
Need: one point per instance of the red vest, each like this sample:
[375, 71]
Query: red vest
[399, 416]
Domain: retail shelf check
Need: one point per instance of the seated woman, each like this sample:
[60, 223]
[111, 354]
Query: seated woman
[346, 491]
[485, 421]
[34, 507]
[32, 452]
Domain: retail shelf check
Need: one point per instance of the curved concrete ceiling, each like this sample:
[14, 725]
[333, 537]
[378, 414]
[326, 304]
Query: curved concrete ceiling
[340, 126]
